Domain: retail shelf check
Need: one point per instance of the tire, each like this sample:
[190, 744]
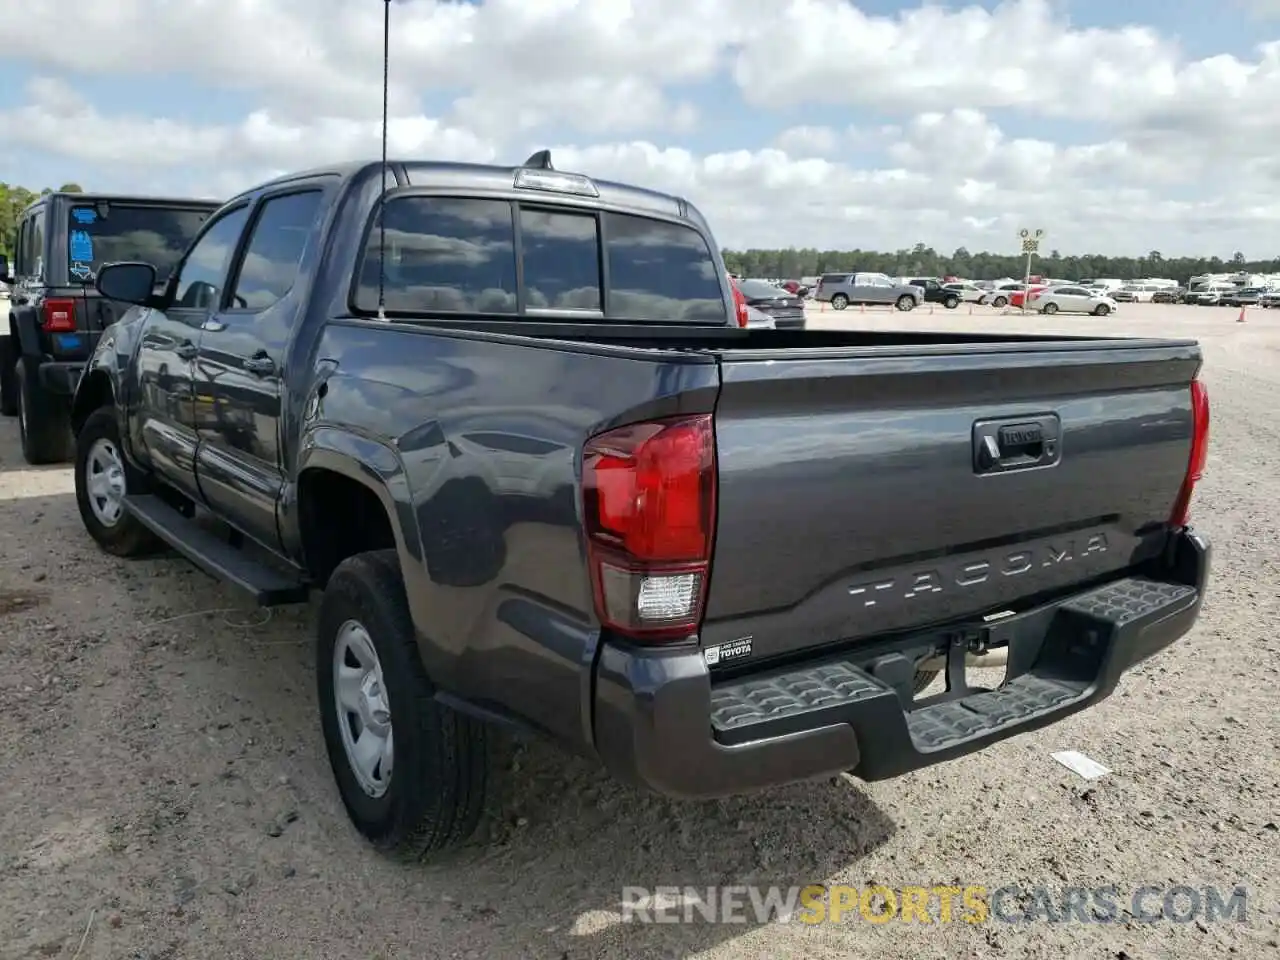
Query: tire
[44, 420]
[839, 302]
[433, 798]
[126, 536]
[1050, 308]
[1000, 302]
[951, 302]
[906, 303]
[1101, 310]
[8, 377]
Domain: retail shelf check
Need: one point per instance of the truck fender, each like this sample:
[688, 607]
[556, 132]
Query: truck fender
[100, 383]
[371, 463]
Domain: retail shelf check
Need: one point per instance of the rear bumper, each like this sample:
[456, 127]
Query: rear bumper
[662, 723]
[60, 376]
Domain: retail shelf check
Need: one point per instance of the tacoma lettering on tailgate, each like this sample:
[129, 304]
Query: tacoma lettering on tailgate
[972, 572]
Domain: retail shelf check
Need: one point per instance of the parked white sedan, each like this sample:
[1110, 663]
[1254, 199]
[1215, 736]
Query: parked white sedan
[1072, 299]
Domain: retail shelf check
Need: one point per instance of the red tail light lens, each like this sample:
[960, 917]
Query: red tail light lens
[649, 496]
[1181, 514]
[740, 304]
[60, 316]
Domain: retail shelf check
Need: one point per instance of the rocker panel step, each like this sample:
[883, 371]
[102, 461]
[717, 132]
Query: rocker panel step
[269, 587]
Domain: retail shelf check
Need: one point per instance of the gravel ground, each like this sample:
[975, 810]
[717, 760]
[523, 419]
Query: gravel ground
[165, 791]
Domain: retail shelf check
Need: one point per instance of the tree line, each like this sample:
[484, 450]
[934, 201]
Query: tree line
[13, 200]
[924, 261]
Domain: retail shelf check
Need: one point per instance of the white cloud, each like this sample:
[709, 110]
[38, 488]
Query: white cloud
[1182, 156]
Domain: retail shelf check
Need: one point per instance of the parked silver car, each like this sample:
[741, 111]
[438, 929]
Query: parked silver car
[843, 289]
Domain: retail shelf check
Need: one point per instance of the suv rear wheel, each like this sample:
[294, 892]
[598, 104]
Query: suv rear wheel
[44, 420]
[8, 375]
[839, 301]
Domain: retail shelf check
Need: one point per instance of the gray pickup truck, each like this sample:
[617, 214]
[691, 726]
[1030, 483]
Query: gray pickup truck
[507, 421]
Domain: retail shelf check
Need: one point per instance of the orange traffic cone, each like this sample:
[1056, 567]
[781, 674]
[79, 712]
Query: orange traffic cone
[1241, 319]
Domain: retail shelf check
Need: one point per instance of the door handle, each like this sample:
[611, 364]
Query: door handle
[186, 350]
[260, 366]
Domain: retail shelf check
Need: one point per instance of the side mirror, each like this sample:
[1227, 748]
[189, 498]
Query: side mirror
[128, 283]
[4, 270]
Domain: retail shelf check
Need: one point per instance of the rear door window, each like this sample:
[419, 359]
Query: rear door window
[105, 232]
[561, 257]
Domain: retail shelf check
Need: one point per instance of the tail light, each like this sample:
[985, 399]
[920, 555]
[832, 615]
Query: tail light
[60, 316]
[740, 305]
[649, 495]
[1181, 514]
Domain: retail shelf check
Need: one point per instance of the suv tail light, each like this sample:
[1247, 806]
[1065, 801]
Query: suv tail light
[740, 304]
[649, 494]
[59, 316]
[1181, 514]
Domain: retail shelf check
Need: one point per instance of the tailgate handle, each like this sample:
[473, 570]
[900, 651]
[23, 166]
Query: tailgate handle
[1000, 446]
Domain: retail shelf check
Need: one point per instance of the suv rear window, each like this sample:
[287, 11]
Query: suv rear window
[101, 233]
[458, 255]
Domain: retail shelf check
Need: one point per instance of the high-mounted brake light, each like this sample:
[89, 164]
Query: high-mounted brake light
[59, 316]
[649, 494]
[1181, 514]
[553, 181]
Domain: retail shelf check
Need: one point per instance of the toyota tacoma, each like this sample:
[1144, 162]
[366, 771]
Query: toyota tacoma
[510, 423]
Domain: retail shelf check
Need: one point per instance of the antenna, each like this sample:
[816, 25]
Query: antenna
[540, 160]
[382, 223]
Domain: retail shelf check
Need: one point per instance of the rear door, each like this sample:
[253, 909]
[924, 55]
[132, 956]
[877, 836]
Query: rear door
[855, 499]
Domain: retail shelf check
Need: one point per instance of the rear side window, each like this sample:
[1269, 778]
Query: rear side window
[104, 232]
[458, 255]
[661, 271]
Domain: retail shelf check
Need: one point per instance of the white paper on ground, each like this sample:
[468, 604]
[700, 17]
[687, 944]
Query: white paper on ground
[1078, 763]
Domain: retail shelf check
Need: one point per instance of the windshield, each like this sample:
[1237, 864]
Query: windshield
[102, 233]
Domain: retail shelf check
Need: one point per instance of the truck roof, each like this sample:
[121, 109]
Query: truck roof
[482, 176]
[123, 198]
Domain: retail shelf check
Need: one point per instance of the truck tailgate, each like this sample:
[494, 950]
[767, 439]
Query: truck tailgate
[859, 493]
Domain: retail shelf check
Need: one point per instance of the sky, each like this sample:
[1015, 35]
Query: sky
[1115, 127]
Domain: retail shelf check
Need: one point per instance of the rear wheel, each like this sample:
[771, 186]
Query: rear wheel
[1000, 302]
[906, 303]
[951, 302]
[1102, 310]
[1050, 308]
[412, 773]
[103, 478]
[839, 301]
[44, 420]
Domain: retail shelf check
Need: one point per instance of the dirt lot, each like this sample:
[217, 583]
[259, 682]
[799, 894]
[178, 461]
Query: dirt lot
[165, 791]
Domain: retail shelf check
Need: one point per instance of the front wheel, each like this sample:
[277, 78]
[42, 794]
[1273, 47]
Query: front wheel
[951, 303]
[906, 303]
[1050, 308]
[103, 478]
[839, 301]
[412, 773]
[1102, 310]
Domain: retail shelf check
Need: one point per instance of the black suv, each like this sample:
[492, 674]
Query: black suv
[56, 316]
[935, 292]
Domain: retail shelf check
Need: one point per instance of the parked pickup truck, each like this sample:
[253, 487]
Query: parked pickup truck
[505, 419]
